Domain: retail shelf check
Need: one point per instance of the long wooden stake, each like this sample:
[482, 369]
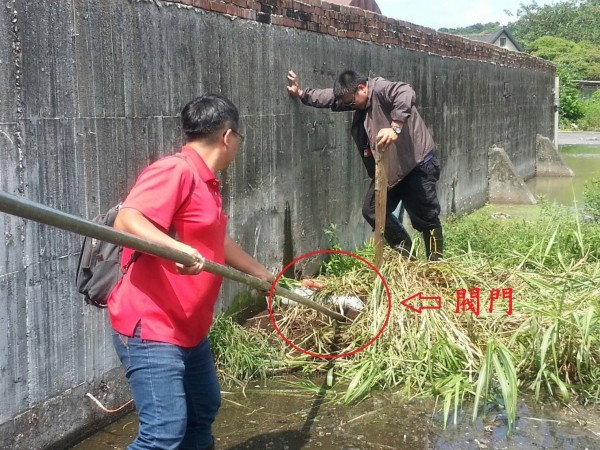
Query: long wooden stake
[381, 188]
[27, 209]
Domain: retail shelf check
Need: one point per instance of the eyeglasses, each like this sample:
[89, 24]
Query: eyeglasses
[352, 104]
[241, 136]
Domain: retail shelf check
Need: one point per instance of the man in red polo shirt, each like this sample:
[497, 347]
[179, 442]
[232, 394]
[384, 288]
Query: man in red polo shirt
[161, 312]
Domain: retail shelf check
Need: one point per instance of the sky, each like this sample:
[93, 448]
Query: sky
[453, 13]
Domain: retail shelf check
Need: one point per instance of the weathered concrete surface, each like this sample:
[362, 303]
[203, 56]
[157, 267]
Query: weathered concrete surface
[59, 420]
[90, 92]
[505, 184]
[549, 163]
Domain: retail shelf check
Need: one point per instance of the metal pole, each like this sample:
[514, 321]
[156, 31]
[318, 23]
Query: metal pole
[21, 207]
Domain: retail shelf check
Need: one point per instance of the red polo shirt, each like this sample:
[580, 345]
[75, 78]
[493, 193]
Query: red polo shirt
[173, 308]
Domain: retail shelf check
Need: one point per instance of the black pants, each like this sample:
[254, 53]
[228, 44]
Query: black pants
[418, 194]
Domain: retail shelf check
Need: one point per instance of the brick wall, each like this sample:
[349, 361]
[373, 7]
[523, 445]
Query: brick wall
[355, 23]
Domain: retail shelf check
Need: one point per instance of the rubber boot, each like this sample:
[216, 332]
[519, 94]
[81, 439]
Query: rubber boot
[397, 237]
[434, 243]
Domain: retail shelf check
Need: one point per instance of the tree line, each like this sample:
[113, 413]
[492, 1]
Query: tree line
[568, 34]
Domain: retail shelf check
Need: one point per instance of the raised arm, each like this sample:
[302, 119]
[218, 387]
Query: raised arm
[236, 257]
[317, 98]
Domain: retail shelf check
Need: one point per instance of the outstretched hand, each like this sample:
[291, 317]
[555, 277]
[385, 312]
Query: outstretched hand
[293, 88]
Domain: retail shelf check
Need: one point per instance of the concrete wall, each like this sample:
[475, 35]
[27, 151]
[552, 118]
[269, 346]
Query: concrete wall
[90, 92]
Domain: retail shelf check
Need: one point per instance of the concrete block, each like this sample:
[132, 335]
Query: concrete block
[505, 184]
[61, 421]
[549, 163]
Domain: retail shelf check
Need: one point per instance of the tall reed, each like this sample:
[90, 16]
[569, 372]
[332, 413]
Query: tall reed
[549, 345]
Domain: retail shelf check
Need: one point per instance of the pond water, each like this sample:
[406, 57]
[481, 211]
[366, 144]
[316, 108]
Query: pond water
[279, 418]
[584, 160]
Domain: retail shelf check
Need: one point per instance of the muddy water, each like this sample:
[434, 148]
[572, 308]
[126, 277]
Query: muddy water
[277, 418]
[584, 160]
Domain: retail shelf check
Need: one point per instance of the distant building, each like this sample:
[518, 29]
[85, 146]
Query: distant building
[368, 5]
[502, 38]
[587, 87]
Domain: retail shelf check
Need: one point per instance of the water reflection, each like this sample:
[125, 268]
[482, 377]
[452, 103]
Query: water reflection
[275, 418]
[584, 160]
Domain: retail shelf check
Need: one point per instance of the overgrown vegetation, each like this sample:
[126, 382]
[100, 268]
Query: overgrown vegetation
[591, 195]
[240, 355]
[574, 61]
[478, 28]
[590, 119]
[549, 345]
[575, 20]
[568, 34]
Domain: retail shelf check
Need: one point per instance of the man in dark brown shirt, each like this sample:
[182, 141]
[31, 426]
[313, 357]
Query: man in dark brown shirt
[385, 114]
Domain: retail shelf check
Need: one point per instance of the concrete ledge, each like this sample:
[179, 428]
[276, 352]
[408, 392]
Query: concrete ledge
[548, 162]
[505, 185]
[66, 419]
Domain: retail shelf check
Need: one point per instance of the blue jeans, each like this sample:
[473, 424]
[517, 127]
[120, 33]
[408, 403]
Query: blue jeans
[175, 390]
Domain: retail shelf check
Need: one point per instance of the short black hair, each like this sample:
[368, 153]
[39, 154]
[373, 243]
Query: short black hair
[347, 82]
[207, 115]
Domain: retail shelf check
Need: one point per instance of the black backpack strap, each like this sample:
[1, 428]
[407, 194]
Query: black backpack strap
[133, 259]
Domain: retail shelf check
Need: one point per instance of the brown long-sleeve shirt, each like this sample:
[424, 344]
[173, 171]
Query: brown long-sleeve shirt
[388, 101]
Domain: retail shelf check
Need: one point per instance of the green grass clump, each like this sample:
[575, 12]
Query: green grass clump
[549, 345]
[240, 355]
[517, 242]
